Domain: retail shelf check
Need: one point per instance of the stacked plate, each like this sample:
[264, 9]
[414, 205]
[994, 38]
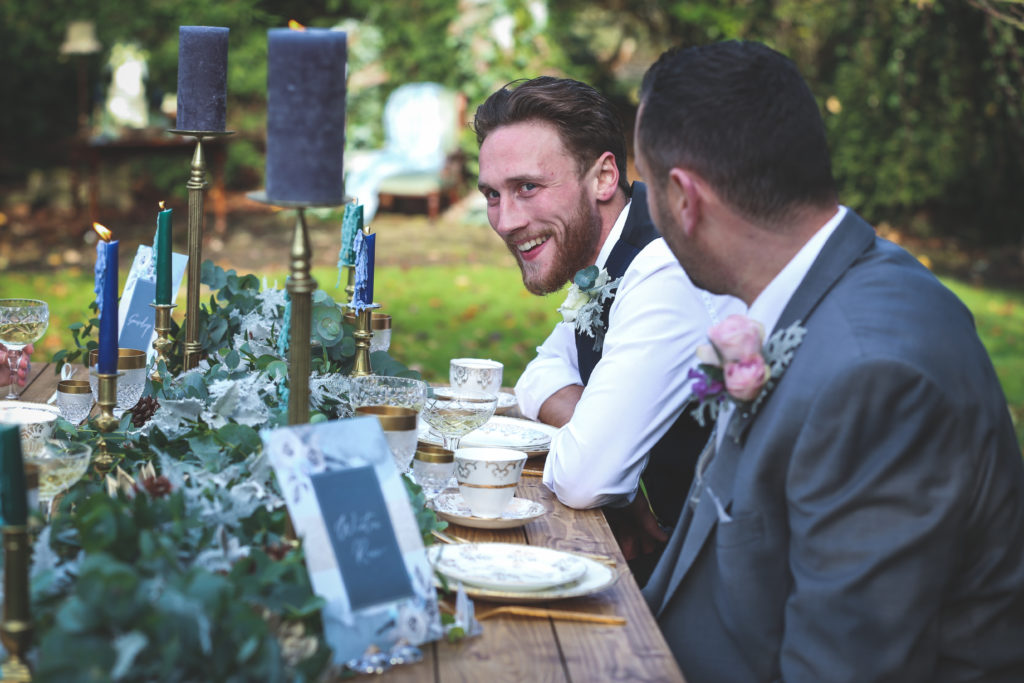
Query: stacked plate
[509, 572]
[532, 438]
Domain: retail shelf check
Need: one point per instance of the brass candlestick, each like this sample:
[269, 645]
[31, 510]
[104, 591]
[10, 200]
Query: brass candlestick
[300, 289]
[196, 185]
[163, 342]
[363, 334]
[16, 630]
[105, 422]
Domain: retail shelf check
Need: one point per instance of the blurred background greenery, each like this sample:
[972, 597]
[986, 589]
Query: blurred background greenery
[922, 101]
[922, 98]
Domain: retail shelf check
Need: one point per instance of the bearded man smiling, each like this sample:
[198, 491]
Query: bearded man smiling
[553, 171]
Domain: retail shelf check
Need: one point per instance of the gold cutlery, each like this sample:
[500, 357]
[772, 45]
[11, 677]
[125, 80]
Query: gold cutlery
[557, 614]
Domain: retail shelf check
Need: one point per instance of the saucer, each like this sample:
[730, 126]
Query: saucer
[451, 507]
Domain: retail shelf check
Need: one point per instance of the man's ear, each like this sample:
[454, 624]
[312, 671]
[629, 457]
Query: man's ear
[607, 177]
[685, 197]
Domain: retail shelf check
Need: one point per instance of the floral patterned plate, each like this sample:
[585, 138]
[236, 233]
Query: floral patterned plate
[597, 578]
[507, 567]
[533, 438]
[450, 506]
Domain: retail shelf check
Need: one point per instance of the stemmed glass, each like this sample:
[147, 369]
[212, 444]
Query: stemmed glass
[22, 322]
[454, 412]
[61, 464]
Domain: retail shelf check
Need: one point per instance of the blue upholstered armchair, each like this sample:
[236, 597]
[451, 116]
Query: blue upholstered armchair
[420, 157]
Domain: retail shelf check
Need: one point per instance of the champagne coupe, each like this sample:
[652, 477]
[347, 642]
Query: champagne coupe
[61, 464]
[379, 390]
[454, 412]
[22, 322]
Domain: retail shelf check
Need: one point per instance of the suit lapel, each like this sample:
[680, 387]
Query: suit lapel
[716, 494]
[847, 243]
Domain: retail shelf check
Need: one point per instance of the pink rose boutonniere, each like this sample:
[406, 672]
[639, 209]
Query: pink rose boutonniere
[739, 365]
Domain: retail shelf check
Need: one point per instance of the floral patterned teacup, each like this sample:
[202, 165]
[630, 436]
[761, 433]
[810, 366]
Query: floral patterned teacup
[478, 374]
[487, 478]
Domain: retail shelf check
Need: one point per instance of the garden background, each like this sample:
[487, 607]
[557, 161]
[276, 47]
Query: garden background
[922, 102]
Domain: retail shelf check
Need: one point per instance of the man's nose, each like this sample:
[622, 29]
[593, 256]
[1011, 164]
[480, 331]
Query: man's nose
[507, 217]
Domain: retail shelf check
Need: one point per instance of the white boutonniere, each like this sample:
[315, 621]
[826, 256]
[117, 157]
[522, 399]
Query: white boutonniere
[739, 366]
[589, 290]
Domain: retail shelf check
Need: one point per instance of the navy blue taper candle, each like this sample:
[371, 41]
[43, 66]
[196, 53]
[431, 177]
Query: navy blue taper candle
[202, 78]
[13, 500]
[305, 115]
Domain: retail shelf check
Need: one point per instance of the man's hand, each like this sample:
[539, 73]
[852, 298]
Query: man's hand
[635, 528]
[557, 410]
[23, 366]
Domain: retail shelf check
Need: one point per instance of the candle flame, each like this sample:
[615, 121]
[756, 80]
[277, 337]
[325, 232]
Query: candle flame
[102, 231]
[162, 207]
[295, 26]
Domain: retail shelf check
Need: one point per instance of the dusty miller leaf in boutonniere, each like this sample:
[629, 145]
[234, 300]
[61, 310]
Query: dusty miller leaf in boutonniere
[590, 288]
[739, 366]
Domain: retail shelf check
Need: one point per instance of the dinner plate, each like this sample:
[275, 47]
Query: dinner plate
[596, 578]
[532, 438]
[508, 567]
[452, 507]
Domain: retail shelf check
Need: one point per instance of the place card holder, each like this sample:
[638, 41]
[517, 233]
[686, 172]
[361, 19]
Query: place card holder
[363, 549]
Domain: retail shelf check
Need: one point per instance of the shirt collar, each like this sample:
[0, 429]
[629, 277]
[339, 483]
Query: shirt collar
[613, 236]
[769, 304]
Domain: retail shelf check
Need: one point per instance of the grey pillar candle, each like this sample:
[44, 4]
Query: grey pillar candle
[202, 78]
[305, 115]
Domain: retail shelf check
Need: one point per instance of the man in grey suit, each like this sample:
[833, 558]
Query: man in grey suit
[863, 519]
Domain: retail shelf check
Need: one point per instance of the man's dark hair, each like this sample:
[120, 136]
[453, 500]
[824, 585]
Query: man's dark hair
[741, 116]
[584, 118]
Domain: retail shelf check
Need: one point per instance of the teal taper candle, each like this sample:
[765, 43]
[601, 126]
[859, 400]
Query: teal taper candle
[162, 253]
[13, 500]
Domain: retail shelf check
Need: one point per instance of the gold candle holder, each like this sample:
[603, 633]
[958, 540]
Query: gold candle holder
[363, 334]
[196, 185]
[16, 629]
[163, 342]
[300, 288]
[105, 422]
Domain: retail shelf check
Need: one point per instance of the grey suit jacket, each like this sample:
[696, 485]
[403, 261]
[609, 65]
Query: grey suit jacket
[871, 519]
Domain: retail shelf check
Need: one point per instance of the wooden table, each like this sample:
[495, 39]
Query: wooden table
[520, 649]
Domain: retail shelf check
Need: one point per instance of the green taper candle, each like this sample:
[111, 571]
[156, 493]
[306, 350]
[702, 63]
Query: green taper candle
[13, 501]
[162, 252]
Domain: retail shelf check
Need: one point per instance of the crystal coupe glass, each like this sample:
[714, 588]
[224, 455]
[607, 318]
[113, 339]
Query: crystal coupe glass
[453, 412]
[22, 322]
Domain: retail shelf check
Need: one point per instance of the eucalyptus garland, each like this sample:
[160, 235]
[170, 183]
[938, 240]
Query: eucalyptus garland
[184, 572]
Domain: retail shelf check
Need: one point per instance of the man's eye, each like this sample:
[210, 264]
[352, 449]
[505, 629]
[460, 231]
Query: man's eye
[491, 194]
[527, 187]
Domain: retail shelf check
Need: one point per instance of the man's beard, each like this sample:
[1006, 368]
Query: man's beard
[577, 245]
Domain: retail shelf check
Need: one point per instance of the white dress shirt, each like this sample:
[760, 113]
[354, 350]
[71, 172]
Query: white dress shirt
[638, 388]
[769, 304]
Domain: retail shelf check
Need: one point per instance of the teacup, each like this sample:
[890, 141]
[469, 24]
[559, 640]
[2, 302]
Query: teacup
[481, 374]
[35, 420]
[487, 478]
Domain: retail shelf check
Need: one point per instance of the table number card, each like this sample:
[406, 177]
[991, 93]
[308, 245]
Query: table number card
[363, 547]
[136, 318]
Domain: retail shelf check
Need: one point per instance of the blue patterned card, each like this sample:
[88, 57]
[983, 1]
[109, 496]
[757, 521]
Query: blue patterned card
[363, 546]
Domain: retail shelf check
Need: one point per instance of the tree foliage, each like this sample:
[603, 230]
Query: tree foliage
[922, 98]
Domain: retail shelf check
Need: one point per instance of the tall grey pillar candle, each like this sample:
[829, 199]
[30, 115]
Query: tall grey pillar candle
[202, 78]
[305, 115]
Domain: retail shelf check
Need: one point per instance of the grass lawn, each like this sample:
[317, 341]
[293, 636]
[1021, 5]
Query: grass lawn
[444, 312]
